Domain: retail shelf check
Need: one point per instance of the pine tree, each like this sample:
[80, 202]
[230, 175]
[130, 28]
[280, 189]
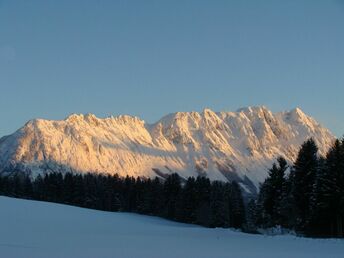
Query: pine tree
[129, 194]
[79, 191]
[203, 211]
[286, 208]
[156, 205]
[252, 216]
[278, 182]
[272, 194]
[27, 187]
[188, 202]
[303, 176]
[172, 190]
[2, 185]
[328, 217]
[38, 188]
[236, 206]
[140, 196]
[219, 213]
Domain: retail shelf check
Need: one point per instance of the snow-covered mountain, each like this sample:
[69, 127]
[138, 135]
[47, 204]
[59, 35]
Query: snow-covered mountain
[220, 145]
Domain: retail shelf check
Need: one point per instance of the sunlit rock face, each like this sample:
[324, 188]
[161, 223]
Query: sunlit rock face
[220, 145]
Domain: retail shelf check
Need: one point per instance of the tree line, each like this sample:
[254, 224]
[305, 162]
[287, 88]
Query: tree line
[195, 200]
[307, 197]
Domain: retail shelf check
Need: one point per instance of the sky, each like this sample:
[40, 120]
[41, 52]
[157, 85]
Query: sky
[150, 58]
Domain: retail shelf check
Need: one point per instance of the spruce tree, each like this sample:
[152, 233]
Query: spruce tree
[156, 204]
[279, 186]
[172, 189]
[236, 206]
[203, 211]
[251, 216]
[272, 194]
[328, 217]
[219, 213]
[303, 176]
[188, 202]
[38, 188]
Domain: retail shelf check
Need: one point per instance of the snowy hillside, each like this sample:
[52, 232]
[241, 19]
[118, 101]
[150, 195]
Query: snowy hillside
[226, 145]
[32, 229]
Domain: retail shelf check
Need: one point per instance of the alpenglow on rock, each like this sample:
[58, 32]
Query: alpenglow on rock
[220, 145]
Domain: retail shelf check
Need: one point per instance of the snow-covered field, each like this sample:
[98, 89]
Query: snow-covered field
[38, 229]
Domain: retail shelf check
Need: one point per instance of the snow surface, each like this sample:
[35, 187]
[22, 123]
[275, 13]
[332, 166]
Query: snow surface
[31, 229]
[223, 146]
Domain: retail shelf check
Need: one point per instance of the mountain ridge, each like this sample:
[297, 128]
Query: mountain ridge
[223, 146]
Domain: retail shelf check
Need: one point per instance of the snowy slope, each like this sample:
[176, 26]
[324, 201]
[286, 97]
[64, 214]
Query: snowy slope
[224, 146]
[31, 229]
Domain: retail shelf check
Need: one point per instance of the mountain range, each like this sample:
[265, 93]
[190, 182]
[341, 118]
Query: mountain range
[225, 146]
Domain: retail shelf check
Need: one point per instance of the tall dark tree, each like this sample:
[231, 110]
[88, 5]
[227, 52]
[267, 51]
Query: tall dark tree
[129, 194]
[286, 207]
[252, 216]
[172, 190]
[156, 200]
[203, 211]
[219, 207]
[303, 178]
[328, 216]
[141, 196]
[236, 206]
[188, 201]
[27, 187]
[272, 194]
[38, 188]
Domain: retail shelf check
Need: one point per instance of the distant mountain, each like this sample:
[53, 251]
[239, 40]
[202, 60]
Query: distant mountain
[220, 145]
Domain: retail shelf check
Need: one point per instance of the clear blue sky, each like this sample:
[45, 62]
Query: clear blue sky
[150, 58]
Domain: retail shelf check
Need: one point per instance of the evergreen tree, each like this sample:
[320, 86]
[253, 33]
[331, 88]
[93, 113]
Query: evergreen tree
[188, 202]
[129, 194]
[156, 200]
[303, 177]
[219, 213]
[79, 191]
[328, 216]
[68, 186]
[272, 194]
[38, 188]
[203, 211]
[141, 196]
[286, 208]
[27, 187]
[172, 189]
[236, 206]
[252, 216]
[2, 185]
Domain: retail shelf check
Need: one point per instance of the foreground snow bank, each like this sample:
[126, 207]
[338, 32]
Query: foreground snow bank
[38, 229]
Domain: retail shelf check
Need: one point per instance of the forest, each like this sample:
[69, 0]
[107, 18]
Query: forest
[307, 197]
